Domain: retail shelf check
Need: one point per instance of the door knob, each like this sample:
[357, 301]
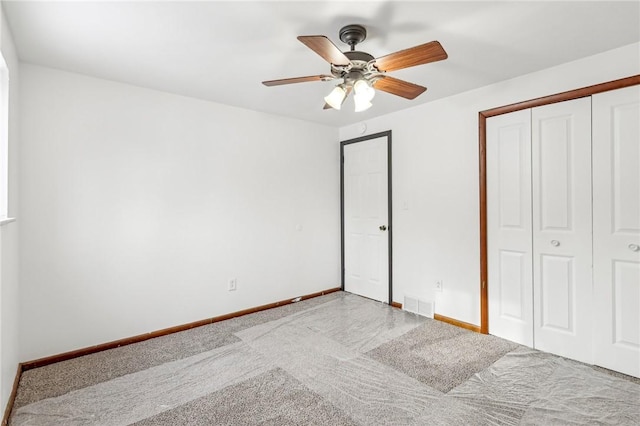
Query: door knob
[555, 243]
[382, 227]
[634, 247]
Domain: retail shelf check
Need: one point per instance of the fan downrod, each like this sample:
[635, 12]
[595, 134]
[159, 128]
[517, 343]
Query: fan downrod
[352, 35]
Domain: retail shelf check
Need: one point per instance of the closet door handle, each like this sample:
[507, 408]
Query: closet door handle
[634, 247]
[555, 243]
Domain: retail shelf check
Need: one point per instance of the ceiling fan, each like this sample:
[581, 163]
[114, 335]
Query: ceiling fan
[360, 72]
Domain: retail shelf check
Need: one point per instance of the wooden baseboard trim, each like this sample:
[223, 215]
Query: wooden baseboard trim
[142, 337]
[448, 320]
[457, 323]
[12, 396]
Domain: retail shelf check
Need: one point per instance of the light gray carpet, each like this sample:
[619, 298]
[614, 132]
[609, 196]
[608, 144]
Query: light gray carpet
[272, 398]
[337, 360]
[440, 355]
[530, 387]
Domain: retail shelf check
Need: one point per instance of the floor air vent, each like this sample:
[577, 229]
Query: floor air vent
[417, 306]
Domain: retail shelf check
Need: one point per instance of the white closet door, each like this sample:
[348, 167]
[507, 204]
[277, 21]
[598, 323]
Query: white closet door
[616, 229]
[509, 226]
[562, 238]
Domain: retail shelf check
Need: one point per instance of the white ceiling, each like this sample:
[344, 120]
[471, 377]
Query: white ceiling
[221, 51]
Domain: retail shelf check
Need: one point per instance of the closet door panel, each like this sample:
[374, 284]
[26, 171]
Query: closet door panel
[616, 229]
[562, 282]
[509, 226]
[557, 292]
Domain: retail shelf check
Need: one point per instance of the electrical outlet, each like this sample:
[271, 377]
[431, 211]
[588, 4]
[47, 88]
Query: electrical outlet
[233, 284]
[439, 285]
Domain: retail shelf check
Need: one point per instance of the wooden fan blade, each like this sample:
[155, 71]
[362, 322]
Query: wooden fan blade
[325, 48]
[418, 55]
[347, 90]
[280, 82]
[399, 87]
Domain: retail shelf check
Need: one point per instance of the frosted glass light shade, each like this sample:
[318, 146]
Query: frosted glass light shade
[362, 103]
[363, 89]
[336, 97]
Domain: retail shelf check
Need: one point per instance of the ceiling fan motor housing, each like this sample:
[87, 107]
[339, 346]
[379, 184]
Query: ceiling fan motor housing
[361, 67]
[356, 55]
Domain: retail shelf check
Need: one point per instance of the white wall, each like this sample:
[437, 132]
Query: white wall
[138, 206]
[9, 301]
[435, 171]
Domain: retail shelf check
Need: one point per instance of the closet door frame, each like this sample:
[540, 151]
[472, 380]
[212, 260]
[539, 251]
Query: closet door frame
[482, 122]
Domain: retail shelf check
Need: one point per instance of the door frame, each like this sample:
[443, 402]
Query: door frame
[482, 148]
[386, 134]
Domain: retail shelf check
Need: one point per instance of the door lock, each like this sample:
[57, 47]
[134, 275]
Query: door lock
[382, 227]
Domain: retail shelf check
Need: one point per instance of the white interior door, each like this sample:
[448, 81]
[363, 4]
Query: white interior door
[509, 226]
[366, 235]
[562, 237]
[616, 229]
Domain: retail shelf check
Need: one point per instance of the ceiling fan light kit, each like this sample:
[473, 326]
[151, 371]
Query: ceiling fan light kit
[363, 94]
[360, 72]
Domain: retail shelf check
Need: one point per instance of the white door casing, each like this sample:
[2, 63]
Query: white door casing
[616, 229]
[562, 237]
[366, 219]
[509, 226]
